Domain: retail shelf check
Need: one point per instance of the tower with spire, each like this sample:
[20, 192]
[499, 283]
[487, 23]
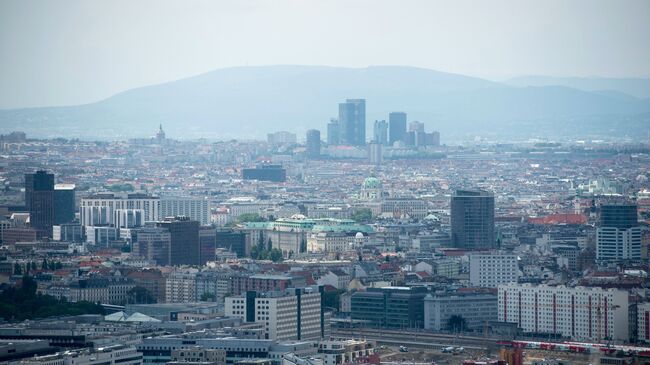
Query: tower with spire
[160, 136]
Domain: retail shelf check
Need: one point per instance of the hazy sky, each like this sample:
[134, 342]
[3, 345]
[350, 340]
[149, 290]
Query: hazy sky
[70, 52]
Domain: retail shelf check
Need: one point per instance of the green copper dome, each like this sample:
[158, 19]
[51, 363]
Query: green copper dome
[371, 183]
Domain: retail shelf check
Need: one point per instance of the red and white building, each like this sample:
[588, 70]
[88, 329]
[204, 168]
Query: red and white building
[579, 313]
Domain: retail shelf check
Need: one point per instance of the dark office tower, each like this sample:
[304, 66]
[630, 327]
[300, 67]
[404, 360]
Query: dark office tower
[207, 244]
[333, 132]
[396, 127]
[352, 122]
[618, 236]
[273, 173]
[622, 215]
[231, 240]
[39, 200]
[184, 246]
[472, 219]
[152, 243]
[380, 132]
[64, 207]
[313, 143]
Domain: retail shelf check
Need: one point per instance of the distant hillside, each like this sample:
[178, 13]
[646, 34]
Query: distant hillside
[639, 88]
[248, 102]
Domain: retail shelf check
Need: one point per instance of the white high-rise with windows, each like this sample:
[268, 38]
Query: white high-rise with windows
[492, 270]
[579, 313]
[291, 315]
[194, 208]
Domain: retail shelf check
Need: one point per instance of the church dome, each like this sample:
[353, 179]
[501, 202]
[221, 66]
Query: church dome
[371, 183]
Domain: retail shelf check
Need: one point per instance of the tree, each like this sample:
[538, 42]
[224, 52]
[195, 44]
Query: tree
[209, 297]
[18, 303]
[362, 215]
[303, 245]
[33, 265]
[250, 217]
[140, 295]
[457, 323]
[18, 270]
[276, 255]
[44, 264]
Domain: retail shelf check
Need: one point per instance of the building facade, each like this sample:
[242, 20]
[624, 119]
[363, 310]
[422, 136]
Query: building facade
[476, 309]
[472, 219]
[492, 270]
[579, 313]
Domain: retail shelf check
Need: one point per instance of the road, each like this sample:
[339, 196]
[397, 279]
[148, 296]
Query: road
[415, 338]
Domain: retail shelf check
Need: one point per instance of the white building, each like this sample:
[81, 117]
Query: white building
[180, 287]
[492, 270]
[195, 209]
[580, 313]
[335, 352]
[111, 355]
[477, 309]
[290, 315]
[618, 243]
[643, 322]
[100, 208]
[128, 218]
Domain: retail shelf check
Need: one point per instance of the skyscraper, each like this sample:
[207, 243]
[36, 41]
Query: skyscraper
[380, 132]
[618, 236]
[396, 126]
[39, 200]
[333, 132]
[64, 205]
[352, 119]
[375, 155]
[184, 243]
[313, 143]
[472, 219]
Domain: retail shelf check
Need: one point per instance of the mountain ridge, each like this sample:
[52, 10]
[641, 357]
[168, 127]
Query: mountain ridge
[251, 101]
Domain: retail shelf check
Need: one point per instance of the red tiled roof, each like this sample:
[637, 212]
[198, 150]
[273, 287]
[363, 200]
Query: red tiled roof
[568, 218]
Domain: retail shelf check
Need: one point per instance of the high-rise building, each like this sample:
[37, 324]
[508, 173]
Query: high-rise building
[39, 201]
[64, 205]
[273, 173]
[128, 218]
[313, 143]
[333, 132]
[99, 209]
[397, 127]
[375, 153]
[281, 137]
[380, 132]
[197, 209]
[491, 270]
[234, 241]
[472, 219]
[184, 245]
[153, 243]
[618, 236]
[433, 139]
[390, 307]
[416, 126]
[296, 314]
[352, 119]
[578, 313]
[476, 308]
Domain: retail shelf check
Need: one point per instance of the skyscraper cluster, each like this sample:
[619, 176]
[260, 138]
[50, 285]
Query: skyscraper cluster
[350, 128]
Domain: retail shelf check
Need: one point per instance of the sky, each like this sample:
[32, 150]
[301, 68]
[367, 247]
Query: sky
[66, 52]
